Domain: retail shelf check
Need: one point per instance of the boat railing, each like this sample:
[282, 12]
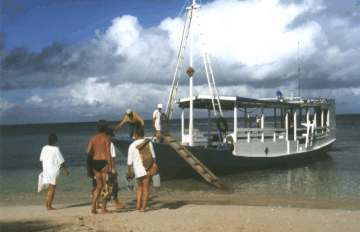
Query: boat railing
[276, 134]
[260, 134]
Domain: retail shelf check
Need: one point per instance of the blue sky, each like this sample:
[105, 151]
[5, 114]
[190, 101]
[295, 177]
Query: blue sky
[82, 60]
[35, 24]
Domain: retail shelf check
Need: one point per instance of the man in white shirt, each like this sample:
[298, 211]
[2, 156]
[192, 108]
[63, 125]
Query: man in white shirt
[157, 121]
[142, 177]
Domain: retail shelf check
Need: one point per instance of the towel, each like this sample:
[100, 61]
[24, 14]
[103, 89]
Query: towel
[41, 185]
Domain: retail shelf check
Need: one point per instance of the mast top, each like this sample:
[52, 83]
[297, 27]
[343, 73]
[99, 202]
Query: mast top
[194, 5]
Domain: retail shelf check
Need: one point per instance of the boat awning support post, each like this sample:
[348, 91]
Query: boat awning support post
[287, 126]
[322, 121]
[307, 128]
[295, 126]
[313, 131]
[246, 125]
[245, 118]
[182, 126]
[275, 118]
[209, 127]
[262, 124]
[328, 120]
[235, 122]
[287, 132]
[307, 115]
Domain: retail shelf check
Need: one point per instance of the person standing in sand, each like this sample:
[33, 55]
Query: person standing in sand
[135, 163]
[52, 161]
[113, 176]
[132, 118]
[157, 114]
[98, 151]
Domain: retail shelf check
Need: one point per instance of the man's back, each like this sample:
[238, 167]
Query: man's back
[99, 147]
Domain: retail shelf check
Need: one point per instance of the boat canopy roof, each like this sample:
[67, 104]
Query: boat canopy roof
[228, 102]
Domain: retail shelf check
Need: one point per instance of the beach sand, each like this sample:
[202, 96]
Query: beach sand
[175, 215]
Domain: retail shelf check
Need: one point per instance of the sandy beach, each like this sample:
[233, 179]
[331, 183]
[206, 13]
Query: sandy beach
[178, 216]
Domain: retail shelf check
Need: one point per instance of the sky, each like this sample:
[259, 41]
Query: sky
[82, 60]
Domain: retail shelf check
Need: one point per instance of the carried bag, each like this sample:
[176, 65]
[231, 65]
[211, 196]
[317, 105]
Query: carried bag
[146, 157]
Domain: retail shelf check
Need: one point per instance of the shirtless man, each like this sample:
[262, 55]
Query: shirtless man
[102, 163]
[134, 119]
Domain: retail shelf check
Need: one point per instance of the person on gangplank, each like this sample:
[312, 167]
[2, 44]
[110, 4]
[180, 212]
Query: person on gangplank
[133, 119]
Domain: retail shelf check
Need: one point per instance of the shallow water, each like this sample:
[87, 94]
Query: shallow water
[333, 180]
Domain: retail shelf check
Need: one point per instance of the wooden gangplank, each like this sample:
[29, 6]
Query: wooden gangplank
[194, 162]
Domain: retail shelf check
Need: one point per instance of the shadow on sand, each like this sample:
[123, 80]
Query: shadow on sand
[29, 226]
[153, 204]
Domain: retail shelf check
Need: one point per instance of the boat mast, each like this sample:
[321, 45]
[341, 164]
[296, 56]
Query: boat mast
[192, 9]
[298, 60]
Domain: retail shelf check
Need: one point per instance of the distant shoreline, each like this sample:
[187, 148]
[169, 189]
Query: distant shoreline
[4, 125]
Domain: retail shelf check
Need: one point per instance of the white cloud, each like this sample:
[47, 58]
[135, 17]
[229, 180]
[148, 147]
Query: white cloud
[253, 45]
[35, 99]
[124, 33]
[5, 105]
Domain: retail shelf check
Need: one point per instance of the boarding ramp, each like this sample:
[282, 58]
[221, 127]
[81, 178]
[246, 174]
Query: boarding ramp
[194, 162]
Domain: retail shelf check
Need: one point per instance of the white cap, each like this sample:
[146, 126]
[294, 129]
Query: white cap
[128, 111]
[159, 106]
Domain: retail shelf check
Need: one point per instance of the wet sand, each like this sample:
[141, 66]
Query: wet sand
[178, 217]
[172, 214]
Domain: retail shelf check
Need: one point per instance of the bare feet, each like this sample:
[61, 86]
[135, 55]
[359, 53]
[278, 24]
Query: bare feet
[103, 211]
[120, 205]
[142, 210]
[93, 211]
[50, 208]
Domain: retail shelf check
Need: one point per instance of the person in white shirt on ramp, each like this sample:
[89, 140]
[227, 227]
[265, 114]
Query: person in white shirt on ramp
[157, 121]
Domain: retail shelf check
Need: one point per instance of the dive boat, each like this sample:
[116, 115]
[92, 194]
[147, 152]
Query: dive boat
[285, 129]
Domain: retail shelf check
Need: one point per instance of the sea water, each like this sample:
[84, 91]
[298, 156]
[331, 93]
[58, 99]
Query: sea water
[333, 178]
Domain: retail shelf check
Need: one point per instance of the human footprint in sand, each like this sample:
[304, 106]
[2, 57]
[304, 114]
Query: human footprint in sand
[52, 161]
